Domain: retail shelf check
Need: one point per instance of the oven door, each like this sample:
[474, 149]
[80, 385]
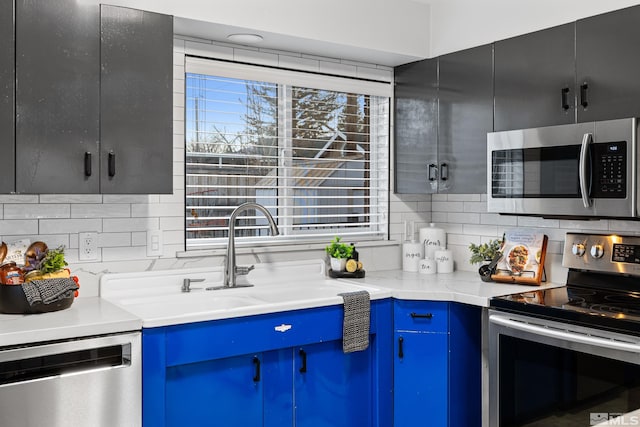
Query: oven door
[547, 373]
[585, 169]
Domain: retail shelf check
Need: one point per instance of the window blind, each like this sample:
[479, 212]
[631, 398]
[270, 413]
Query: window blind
[316, 158]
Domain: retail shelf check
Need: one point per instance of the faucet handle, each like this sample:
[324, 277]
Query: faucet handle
[243, 270]
[186, 284]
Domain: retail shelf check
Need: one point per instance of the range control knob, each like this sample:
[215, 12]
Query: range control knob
[597, 251]
[577, 249]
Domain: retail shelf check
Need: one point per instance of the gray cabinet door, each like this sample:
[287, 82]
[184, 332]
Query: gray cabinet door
[136, 101]
[535, 79]
[465, 115]
[416, 127]
[7, 100]
[57, 105]
[607, 62]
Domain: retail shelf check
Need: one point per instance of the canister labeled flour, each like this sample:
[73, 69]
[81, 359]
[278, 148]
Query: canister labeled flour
[433, 239]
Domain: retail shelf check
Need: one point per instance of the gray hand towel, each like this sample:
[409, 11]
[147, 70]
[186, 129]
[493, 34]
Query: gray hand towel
[355, 328]
[49, 290]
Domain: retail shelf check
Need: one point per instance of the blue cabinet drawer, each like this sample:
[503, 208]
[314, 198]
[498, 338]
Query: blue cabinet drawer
[196, 342]
[427, 316]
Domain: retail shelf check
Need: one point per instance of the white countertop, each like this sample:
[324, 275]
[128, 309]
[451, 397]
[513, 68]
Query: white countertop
[153, 299]
[86, 317]
[459, 286]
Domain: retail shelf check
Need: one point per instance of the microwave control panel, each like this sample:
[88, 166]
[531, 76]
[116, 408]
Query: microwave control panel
[609, 170]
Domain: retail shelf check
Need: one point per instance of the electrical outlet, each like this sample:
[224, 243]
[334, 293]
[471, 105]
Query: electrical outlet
[154, 242]
[88, 246]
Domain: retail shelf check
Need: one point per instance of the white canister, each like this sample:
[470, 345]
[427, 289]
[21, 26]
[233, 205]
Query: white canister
[411, 256]
[444, 261]
[428, 266]
[433, 239]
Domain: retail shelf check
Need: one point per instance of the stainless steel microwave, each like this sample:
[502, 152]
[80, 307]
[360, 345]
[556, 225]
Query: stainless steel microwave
[578, 170]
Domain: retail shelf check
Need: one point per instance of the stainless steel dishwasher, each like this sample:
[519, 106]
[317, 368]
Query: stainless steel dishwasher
[89, 382]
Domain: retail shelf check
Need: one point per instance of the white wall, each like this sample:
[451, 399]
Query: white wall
[461, 24]
[380, 29]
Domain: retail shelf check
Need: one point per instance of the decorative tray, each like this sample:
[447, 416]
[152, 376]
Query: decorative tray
[359, 274]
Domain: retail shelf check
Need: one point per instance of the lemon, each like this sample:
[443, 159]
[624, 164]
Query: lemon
[360, 265]
[352, 265]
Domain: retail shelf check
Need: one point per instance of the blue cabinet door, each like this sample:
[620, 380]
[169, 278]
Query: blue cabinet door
[420, 379]
[224, 392]
[331, 388]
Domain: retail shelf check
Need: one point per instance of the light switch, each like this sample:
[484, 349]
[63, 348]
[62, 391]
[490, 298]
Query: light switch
[154, 242]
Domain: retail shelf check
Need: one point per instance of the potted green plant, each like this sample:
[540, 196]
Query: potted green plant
[339, 253]
[484, 252]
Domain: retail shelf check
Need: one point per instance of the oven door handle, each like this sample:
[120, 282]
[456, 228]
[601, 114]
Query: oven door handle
[583, 171]
[564, 335]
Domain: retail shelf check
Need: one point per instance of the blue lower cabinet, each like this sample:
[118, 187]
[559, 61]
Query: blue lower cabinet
[272, 370]
[225, 392]
[331, 388]
[420, 379]
[437, 364]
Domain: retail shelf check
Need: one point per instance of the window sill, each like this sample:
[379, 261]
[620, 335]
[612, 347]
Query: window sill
[276, 248]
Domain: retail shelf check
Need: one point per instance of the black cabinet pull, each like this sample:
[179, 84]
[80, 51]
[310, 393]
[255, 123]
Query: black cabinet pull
[112, 164]
[400, 349]
[584, 88]
[303, 356]
[87, 164]
[256, 364]
[565, 99]
[421, 316]
[433, 172]
[444, 171]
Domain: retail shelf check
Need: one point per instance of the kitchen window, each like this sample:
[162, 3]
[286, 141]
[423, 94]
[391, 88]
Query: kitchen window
[313, 149]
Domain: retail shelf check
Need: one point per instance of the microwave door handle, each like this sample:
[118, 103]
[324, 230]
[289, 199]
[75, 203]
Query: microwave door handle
[584, 170]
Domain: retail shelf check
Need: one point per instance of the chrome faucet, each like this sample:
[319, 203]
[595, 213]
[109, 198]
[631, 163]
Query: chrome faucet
[230, 268]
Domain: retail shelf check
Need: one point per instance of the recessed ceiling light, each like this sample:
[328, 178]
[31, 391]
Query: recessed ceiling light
[245, 38]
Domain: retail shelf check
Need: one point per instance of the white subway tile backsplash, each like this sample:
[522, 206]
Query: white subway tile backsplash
[57, 226]
[139, 238]
[171, 223]
[19, 198]
[481, 230]
[447, 206]
[124, 253]
[299, 63]
[31, 211]
[530, 221]
[463, 197]
[70, 198]
[255, 57]
[157, 209]
[131, 198]
[497, 219]
[463, 218]
[208, 50]
[114, 240]
[103, 210]
[111, 225]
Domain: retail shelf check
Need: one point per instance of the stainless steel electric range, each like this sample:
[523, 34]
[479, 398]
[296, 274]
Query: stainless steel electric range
[571, 355]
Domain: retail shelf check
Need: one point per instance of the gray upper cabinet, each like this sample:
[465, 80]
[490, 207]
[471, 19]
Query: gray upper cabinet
[607, 64]
[534, 79]
[57, 90]
[7, 90]
[465, 112]
[416, 127]
[136, 95]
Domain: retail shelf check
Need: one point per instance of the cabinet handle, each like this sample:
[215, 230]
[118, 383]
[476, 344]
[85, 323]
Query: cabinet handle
[400, 349]
[444, 171]
[421, 316]
[256, 364]
[565, 99]
[433, 172]
[112, 164]
[584, 88]
[303, 356]
[87, 164]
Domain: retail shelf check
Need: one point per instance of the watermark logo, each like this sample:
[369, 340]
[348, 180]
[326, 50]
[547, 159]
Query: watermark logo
[613, 419]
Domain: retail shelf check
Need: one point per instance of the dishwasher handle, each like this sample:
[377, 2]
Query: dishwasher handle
[608, 344]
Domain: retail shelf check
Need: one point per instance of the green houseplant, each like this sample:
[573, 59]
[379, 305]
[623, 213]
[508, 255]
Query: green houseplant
[484, 251]
[339, 253]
